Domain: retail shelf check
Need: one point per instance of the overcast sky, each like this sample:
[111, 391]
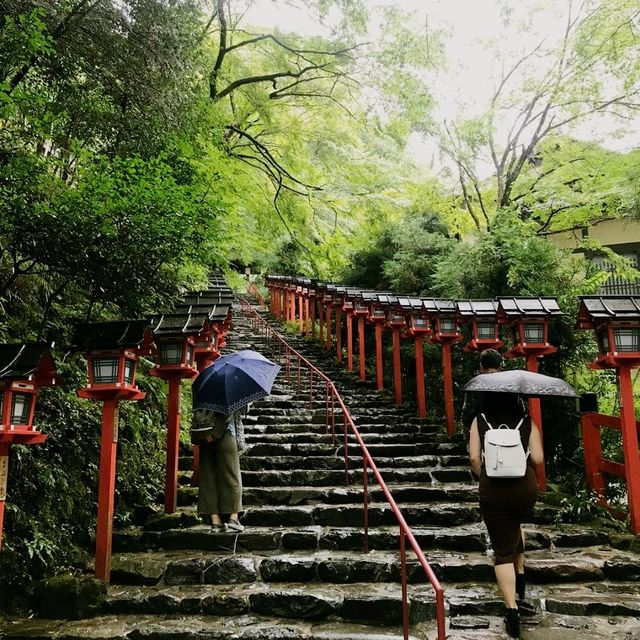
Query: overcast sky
[467, 81]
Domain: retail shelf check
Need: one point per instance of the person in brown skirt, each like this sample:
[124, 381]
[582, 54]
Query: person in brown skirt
[505, 503]
[220, 489]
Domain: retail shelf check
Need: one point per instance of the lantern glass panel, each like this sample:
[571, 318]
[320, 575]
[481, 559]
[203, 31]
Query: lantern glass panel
[378, 313]
[20, 408]
[447, 325]
[603, 340]
[627, 339]
[171, 352]
[129, 370]
[190, 352]
[533, 332]
[420, 323]
[105, 370]
[397, 317]
[486, 330]
[360, 306]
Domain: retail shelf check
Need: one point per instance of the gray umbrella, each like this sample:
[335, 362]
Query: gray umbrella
[525, 383]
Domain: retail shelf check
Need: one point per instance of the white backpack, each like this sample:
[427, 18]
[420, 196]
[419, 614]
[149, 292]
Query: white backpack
[503, 453]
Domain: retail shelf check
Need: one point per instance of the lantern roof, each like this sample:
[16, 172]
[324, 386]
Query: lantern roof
[369, 296]
[90, 336]
[215, 313]
[436, 306]
[410, 304]
[209, 299]
[477, 308]
[511, 308]
[22, 361]
[352, 293]
[179, 324]
[595, 309]
[387, 299]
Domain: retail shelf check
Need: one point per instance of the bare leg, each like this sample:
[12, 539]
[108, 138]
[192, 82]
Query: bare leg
[215, 519]
[233, 516]
[519, 561]
[506, 578]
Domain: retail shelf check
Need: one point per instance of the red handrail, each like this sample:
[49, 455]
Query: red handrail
[272, 336]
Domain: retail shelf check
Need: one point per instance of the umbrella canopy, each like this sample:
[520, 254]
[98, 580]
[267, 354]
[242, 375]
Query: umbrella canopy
[525, 383]
[233, 381]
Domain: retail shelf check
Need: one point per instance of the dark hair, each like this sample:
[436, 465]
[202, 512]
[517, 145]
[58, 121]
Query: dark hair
[490, 359]
[502, 407]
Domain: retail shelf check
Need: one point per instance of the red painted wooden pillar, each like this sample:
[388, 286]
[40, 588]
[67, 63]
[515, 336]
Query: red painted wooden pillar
[535, 411]
[349, 318]
[300, 315]
[328, 327]
[361, 356]
[397, 372]
[287, 305]
[106, 488]
[173, 445]
[4, 474]
[448, 387]
[312, 319]
[338, 334]
[630, 445]
[592, 446]
[320, 321]
[420, 394]
[379, 371]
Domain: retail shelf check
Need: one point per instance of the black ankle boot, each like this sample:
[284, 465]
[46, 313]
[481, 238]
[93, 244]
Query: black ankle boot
[520, 585]
[512, 621]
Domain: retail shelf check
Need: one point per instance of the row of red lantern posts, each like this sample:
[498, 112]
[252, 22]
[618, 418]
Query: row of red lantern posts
[184, 342]
[614, 319]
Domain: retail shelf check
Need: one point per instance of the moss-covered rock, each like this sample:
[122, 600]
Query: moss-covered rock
[69, 597]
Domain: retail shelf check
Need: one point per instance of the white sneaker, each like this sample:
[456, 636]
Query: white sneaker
[234, 525]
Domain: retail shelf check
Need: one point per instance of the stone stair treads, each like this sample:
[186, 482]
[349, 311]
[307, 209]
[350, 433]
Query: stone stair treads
[299, 570]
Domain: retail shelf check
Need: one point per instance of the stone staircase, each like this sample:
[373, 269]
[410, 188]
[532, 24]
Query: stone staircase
[299, 572]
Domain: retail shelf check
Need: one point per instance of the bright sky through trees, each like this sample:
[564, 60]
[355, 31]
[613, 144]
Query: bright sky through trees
[465, 85]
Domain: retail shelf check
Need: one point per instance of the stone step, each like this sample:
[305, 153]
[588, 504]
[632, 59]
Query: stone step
[182, 531]
[377, 451]
[374, 603]
[600, 598]
[209, 626]
[352, 515]
[313, 469]
[279, 495]
[546, 566]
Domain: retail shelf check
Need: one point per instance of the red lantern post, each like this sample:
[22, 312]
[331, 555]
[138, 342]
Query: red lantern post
[348, 307]
[337, 305]
[112, 351]
[397, 322]
[528, 320]
[24, 368]
[418, 328]
[445, 331]
[616, 323]
[378, 318]
[362, 313]
[175, 336]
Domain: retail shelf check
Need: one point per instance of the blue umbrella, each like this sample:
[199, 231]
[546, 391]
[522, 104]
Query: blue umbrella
[233, 381]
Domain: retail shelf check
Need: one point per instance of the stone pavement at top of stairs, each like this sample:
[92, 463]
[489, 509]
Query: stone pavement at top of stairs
[299, 570]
